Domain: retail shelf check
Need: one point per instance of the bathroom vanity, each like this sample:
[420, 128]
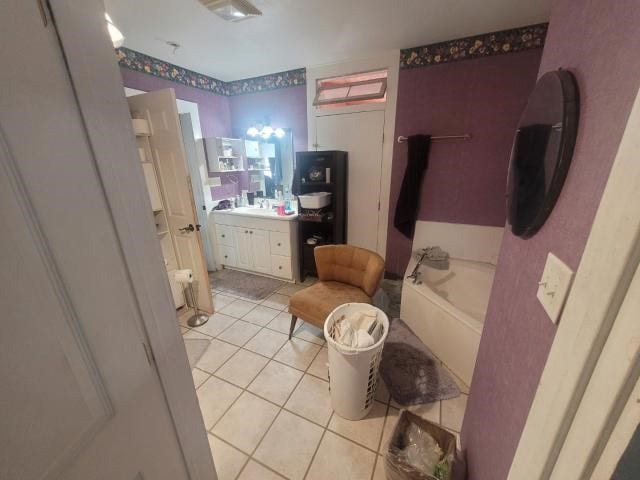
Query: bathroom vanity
[257, 240]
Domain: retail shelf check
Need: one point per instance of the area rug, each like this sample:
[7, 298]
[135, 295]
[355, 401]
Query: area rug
[195, 349]
[393, 291]
[411, 372]
[254, 287]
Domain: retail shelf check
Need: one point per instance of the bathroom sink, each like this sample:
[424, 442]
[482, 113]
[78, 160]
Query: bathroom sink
[256, 212]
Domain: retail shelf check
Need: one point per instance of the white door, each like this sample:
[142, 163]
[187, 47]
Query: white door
[191, 152]
[79, 399]
[243, 248]
[360, 134]
[261, 251]
[159, 108]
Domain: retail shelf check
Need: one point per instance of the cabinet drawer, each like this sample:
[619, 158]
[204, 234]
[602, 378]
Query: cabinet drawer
[281, 266]
[280, 243]
[228, 255]
[224, 235]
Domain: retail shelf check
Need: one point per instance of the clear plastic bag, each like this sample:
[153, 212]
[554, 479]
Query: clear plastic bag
[419, 450]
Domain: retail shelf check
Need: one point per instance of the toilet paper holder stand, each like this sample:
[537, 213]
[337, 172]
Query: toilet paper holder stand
[198, 318]
[185, 278]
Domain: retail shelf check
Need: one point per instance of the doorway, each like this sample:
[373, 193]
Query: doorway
[361, 135]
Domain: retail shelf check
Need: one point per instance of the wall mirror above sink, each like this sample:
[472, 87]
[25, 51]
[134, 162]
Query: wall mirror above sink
[542, 151]
[269, 159]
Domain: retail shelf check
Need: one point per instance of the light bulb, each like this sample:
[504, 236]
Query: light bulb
[266, 132]
[279, 133]
[252, 131]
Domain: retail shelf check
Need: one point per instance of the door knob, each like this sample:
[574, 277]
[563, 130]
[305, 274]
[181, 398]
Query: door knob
[188, 228]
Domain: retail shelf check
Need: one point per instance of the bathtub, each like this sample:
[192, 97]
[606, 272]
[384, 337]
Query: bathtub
[447, 311]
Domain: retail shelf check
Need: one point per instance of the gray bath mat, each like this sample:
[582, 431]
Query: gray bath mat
[244, 284]
[195, 349]
[411, 373]
[393, 289]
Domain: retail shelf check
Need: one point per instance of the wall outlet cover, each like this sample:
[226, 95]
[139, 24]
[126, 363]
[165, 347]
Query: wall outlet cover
[214, 182]
[554, 286]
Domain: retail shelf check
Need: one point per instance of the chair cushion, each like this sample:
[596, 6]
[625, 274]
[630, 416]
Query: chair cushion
[348, 264]
[315, 303]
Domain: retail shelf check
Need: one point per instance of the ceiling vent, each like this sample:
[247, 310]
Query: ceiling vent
[232, 10]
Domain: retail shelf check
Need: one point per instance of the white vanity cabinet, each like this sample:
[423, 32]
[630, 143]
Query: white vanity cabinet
[262, 243]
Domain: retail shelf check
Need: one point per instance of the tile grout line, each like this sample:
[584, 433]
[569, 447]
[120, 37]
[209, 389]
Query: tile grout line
[325, 428]
[210, 431]
[283, 407]
[251, 456]
[313, 457]
[244, 389]
[387, 404]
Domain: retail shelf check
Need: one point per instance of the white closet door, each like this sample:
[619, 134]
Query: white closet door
[79, 398]
[359, 134]
[159, 108]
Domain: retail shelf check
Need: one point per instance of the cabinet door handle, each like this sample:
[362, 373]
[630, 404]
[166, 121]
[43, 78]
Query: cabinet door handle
[246, 231]
[222, 235]
[279, 244]
[251, 231]
[226, 256]
[280, 267]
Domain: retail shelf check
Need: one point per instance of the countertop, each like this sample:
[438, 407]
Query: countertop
[255, 212]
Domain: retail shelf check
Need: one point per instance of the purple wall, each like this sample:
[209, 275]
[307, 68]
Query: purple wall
[214, 112]
[215, 116]
[285, 108]
[222, 116]
[597, 41]
[465, 181]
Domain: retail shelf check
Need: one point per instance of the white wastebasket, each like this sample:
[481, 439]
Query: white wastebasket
[353, 372]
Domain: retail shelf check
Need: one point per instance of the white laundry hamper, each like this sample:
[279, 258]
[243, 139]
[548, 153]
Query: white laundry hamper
[353, 372]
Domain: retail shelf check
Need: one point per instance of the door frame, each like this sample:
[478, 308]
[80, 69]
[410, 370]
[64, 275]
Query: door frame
[96, 79]
[382, 220]
[186, 107]
[557, 429]
[391, 61]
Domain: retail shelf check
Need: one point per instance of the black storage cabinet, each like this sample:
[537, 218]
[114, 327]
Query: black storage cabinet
[331, 222]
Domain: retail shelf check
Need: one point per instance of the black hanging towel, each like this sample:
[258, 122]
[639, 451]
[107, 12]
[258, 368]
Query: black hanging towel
[409, 198]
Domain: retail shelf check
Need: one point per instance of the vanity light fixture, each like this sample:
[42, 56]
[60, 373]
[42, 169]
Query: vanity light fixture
[265, 131]
[116, 35]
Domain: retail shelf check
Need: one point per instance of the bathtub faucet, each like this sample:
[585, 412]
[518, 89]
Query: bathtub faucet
[433, 257]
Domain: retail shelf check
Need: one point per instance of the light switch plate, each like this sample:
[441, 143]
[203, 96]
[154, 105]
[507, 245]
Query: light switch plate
[554, 286]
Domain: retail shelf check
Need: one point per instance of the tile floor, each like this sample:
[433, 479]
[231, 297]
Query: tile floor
[266, 405]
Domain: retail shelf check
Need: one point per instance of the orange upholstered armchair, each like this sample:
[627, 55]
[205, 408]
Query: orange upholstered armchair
[346, 274]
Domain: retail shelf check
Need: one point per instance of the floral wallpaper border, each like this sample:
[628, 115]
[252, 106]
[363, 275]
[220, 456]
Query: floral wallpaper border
[141, 62]
[478, 46]
[273, 81]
